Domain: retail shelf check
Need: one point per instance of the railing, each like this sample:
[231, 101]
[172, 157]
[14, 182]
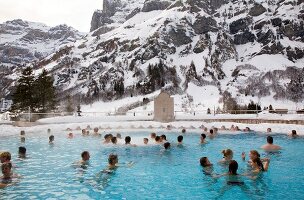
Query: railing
[203, 114]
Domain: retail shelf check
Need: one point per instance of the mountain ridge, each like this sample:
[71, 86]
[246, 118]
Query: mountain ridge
[246, 48]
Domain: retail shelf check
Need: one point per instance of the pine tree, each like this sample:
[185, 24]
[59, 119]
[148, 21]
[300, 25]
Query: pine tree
[23, 97]
[69, 105]
[295, 88]
[44, 93]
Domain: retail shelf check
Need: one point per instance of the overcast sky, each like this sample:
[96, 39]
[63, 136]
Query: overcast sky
[75, 13]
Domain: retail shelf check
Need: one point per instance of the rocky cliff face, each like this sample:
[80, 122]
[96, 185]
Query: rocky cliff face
[138, 47]
[22, 42]
[116, 12]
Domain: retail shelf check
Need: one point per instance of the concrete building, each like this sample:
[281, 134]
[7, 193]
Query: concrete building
[164, 108]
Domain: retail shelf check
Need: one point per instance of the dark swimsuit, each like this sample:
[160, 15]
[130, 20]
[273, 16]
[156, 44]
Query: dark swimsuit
[235, 183]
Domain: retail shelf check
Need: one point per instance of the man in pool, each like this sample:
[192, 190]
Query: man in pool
[22, 152]
[180, 140]
[153, 136]
[85, 157]
[51, 139]
[293, 134]
[203, 138]
[128, 141]
[22, 136]
[270, 146]
[112, 161]
[167, 145]
[146, 140]
[107, 139]
[157, 140]
[211, 134]
[114, 140]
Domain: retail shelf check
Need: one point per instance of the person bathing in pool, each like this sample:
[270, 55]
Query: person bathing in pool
[113, 164]
[227, 156]
[270, 146]
[84, 162]
[207, 165]
[233, 178]
[8, 176]
[255, 162]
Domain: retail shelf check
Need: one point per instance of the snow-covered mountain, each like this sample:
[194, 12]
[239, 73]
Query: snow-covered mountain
[22, 42]
[196, 49]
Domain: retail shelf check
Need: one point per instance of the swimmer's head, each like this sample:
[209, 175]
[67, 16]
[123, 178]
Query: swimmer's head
[211, 131]
[203, 136]
[51, 138]
[253, 154]
[107, 138]
[48, 130]
[157, 139]
[294, 133]
[22, 151]
[153, 135]
[184, 130]
[270, 140]
[6, 169]
[118, 135]
[22, 139]
[227, 153]
[146, 140]
[113, 159]
[22, 133]
[83, 131]
[233, 167]
[180, 138]
[268, 130]
[204, 161]
[128, 140]
[163, 137]
[85, 156]
[114, 140]
[96, 130]
[5, 157]
[167, 145]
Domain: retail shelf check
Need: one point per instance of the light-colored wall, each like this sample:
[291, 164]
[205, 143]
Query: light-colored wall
[164, 108]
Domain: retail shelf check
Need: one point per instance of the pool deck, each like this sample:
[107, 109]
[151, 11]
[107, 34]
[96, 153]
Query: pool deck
[241, 121]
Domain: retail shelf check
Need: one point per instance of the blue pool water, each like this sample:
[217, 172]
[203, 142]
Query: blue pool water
[47, 173]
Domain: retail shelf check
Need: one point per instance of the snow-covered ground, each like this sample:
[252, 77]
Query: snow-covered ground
[141, 122]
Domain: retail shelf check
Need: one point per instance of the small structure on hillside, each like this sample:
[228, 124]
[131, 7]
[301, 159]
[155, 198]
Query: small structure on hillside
[5, 104]
[164, 108]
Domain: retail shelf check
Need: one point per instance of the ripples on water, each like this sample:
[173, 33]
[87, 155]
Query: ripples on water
[48, 172]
